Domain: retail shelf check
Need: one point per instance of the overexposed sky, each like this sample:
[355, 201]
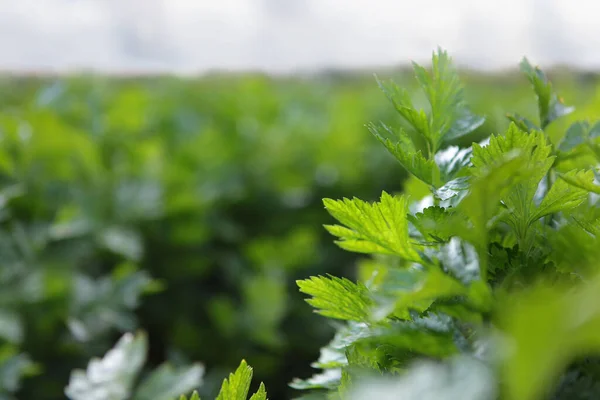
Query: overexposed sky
[288, 35]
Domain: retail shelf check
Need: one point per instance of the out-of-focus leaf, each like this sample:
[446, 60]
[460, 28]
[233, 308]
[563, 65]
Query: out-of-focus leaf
[581, 179]
[113, 376]
[563, 195]
[523, 123]
[266, 305]
[167, 382]
[576, 134]
[594, 132]
[11, 326]
[550, 107]
[328, 379]
[194, 396]
[462, 378]
[125, 242]
[546, 328]
[13, 368]
[414, 289]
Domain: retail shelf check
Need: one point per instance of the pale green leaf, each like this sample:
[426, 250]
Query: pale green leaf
[380, 227]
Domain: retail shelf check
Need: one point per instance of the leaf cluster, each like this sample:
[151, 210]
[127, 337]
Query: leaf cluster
[487, 290]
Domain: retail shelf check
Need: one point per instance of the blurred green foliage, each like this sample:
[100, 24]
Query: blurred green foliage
[189, 207]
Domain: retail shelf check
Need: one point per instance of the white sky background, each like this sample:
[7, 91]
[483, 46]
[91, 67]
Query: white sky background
[190, 36]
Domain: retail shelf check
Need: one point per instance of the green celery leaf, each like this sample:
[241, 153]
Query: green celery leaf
[429, 336]
[414, 289]
[520, 198]
[481, 206]
[405, 152]
[380, 227]
[550, 107]
[238, 385]
[261, 394]
[450, 117]
[523, 123]
[452, 161]
[431, 223]
[401, 99]
[453, 191]
[337, 297]
[566, 193]
[576, 134]
[465, 123]
[582, 179]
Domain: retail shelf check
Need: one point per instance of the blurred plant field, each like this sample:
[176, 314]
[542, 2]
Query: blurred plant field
[188, 208]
